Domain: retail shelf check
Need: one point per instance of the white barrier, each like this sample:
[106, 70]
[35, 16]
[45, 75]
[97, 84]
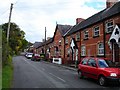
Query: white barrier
[57, 60]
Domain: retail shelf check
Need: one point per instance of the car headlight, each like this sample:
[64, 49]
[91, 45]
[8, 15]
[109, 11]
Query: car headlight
[113, 74]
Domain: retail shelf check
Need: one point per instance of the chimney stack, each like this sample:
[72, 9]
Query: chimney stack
[79, 20]
[110, 3]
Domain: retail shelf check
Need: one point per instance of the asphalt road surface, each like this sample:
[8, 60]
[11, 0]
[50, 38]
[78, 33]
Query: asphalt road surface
[32, 74]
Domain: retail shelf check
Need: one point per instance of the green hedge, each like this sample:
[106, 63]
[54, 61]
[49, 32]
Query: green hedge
[7, 74]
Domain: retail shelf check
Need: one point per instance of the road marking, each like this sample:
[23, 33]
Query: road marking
[32, 65]
[43, 69]
[57, 77]
[51, 79]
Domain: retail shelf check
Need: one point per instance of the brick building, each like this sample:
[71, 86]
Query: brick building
[90, 37]
[58, 41]
[46, 47]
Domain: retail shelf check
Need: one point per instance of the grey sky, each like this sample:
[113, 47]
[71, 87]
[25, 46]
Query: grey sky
[33, 16]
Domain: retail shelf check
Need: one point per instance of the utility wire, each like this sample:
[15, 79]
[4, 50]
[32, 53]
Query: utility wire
[8, 9]
[22, 18]
[16, 2]
[4, 12]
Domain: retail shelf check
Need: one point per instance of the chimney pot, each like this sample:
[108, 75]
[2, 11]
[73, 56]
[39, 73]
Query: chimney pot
[110, 3]
[79, 20]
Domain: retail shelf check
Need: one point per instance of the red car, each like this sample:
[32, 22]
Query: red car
[35, 57]
[103, 70]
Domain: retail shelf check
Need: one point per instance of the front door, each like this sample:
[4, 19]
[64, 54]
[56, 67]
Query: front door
[116, 52]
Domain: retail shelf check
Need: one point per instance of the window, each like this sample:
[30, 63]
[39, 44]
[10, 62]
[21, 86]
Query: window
[48, 50]
[69, 50]
[66, 40]
[109, 26]
[102, 63]
[78, 37]
[96, 31]
[83, 51]
[92, 63]
[86, 34]
[100, 49]
[84, 61]
[56, 49]
[60, 42]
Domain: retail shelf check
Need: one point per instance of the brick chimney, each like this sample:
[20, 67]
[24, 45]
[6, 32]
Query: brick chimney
[79, 20]
[110, 3]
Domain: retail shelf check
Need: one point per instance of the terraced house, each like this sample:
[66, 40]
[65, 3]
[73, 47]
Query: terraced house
[58, 41]
[91, 36]
[97, 36]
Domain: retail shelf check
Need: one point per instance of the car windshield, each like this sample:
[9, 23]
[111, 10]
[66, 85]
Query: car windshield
[105, 63]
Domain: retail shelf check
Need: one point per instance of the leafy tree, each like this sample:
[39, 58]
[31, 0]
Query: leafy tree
[17, 39]
[5, 49]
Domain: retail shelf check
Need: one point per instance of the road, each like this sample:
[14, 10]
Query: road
[32, 74]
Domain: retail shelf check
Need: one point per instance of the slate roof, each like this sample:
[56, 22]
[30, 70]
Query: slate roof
[37, 44]
[100, 16]
[63, 28]
[47, 42]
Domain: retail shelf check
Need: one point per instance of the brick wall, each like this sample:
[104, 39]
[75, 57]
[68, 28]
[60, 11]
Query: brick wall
[92, 42]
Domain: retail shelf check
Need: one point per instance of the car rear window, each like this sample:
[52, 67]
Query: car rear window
[84, 61]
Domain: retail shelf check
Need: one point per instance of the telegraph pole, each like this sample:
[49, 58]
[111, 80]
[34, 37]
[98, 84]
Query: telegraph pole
[45, 43]
[8, 29]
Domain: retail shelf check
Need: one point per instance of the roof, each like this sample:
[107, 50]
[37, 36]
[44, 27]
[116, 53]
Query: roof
[37, 44]
[63, 29]
[47, 42]
[100, 16]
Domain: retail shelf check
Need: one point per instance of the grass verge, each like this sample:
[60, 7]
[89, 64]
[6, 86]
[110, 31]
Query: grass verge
[7, 74]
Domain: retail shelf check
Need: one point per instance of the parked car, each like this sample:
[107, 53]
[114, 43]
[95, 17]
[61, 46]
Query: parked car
[103, 70]
[35, 57]
[28, 55]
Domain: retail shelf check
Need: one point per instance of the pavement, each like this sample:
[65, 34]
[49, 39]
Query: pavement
[61, 65]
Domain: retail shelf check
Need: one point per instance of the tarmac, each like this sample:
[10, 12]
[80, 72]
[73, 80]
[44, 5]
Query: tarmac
[61, 65]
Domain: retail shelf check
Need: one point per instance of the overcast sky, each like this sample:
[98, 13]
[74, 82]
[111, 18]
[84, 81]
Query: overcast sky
[32, 16]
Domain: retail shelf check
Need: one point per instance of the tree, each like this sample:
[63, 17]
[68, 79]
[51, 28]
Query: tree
[17, 41]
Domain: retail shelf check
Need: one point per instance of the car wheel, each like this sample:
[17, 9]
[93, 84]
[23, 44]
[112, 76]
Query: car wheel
[80, 74]
[102, 81]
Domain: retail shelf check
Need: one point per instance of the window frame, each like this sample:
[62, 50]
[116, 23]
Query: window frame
[96, 31]
[83, 50]
[78, 36]
[60, 42]
[86, 34]
[100, 49]
[107, 27]
[66, 40]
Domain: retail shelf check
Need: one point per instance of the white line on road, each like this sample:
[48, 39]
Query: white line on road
[31, 65]
[57, 84]
[57, 77]
[43, 69]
